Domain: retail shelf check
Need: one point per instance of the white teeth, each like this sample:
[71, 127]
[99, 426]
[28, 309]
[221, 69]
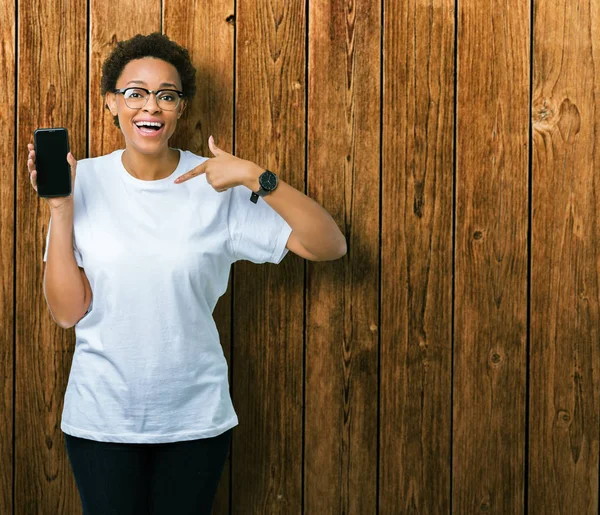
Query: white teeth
[148, 124]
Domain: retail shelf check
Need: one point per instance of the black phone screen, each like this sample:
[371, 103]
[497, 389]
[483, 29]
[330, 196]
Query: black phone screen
[53, 170]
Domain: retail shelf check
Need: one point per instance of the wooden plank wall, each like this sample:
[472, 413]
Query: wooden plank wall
[449, 362]
[565, 257]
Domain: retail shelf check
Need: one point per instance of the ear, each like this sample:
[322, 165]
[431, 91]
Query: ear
[111, 102]
[182, 106]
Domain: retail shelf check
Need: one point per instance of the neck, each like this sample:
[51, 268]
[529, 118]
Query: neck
[150, 167]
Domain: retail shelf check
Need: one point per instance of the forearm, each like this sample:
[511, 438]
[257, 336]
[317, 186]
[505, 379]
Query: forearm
[63, 285]
[313, 226]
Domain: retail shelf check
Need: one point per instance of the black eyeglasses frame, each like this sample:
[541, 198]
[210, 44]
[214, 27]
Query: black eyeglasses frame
[180, 94]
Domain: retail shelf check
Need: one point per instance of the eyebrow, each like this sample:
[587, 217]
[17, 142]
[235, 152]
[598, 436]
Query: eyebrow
[161, 85]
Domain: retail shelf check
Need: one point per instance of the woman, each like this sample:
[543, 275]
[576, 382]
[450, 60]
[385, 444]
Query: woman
[137, 260]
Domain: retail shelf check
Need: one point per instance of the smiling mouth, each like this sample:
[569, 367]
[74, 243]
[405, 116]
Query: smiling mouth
[149, 128]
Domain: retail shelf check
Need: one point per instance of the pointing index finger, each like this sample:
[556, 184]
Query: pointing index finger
[198, 170]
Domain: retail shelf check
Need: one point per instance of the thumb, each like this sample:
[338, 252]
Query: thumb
[213, 148]
[72, 162]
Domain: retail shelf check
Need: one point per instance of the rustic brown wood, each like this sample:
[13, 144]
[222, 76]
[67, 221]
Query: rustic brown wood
[430, 437]
[51, 93]
[112, 22]
[416, 259]
[268, 303]
[342, 319]
[7, 261]
[491, 258]
[206, 29]
[565, 257]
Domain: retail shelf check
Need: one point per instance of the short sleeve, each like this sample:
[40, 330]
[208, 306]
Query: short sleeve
[258, 233]
[76, 252]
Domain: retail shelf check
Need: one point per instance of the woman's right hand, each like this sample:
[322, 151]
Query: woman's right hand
[53, 202]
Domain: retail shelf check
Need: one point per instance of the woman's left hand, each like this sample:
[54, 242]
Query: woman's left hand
[224, 171]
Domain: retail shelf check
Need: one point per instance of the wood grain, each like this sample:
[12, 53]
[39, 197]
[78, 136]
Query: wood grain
[51, 93]
[446, 443]
[110, 23]
[206, 29]
[416, 258]
[342, 333]
[7, 262]
[565, 257]
[268, 303]
[491, 258]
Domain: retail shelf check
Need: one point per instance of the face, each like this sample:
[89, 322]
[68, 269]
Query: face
[153, 74]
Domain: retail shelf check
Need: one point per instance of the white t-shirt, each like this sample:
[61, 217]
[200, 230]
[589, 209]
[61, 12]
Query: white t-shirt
[148, 366]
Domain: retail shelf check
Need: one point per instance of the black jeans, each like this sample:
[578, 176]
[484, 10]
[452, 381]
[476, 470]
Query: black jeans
[157, 479]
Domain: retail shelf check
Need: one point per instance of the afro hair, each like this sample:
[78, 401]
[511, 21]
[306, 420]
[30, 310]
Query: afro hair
[155, 45]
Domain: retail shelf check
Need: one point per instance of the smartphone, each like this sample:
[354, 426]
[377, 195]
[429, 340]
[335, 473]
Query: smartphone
[53, 170]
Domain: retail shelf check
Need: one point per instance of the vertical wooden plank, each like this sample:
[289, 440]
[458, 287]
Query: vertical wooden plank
[491, 257]
[51, 93]
[7, 229]
[110, 23]
[207, 31]
[565, 257]
[342, 321]
[416, 255]
[268, 299]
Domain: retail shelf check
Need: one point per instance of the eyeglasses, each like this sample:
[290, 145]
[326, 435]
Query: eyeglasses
[136, 98]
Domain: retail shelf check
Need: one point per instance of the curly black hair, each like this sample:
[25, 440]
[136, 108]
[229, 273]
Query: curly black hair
[152, 45]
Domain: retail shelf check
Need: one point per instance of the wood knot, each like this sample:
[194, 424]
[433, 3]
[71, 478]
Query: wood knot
[563, 418]
[569, 120]
[50, 101]
[495, 358]
[544, 114]
[543, 111]
[419, 199]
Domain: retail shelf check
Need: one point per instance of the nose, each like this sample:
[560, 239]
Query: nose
[152, 104]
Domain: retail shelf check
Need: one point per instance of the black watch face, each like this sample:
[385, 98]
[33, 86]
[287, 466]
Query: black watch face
[268, 181]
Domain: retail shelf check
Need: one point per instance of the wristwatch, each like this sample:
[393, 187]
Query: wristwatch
[268, 182]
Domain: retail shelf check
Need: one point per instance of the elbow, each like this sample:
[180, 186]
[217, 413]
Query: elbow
[341, 251]
[72, 323]
[67, 314]
[63, 324]
[343, 248]
[59, 322]
[67, 325]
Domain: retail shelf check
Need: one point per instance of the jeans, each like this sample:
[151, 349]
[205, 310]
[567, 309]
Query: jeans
[157, 479]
